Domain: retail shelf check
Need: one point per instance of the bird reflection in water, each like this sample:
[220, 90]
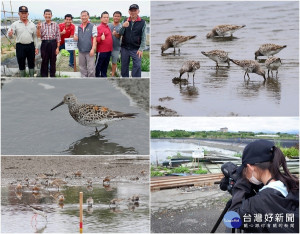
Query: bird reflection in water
[97, 145]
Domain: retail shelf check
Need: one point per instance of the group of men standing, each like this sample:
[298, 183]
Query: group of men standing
[96, 45]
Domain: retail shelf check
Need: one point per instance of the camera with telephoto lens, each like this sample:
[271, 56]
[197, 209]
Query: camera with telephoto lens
[230, 176]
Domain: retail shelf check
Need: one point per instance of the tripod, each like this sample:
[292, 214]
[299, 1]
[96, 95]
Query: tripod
[228, 204]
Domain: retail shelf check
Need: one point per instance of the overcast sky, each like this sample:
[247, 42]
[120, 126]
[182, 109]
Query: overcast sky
[63, 7]
[234, 124]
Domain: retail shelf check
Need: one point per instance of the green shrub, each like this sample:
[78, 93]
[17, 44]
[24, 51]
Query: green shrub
[156, 173]
[237, 155]
[180, 169]
[290, 152]
[200, 171]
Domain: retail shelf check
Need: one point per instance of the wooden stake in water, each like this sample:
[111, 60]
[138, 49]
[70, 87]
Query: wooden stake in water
[80, 211]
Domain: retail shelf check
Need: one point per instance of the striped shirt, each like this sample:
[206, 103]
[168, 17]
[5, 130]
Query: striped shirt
[50, 31]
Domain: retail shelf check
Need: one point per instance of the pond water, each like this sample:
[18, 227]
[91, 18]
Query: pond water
[30, 128]
[225, 92]
[64, 218]
[161, 149]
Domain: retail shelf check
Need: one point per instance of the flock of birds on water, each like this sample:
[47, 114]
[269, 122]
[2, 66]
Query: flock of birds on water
[220, 56]
[43, 185]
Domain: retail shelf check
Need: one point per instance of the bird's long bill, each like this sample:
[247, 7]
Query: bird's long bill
[58, 105]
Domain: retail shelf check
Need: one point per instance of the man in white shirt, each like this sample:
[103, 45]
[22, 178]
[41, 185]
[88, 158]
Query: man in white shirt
[26, 41]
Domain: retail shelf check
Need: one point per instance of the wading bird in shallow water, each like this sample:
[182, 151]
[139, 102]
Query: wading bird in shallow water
[273, 63]
[189, 66]
[249, 66]
[90, 202]
[92, 115]
[175, 41]
[223, 30]
[219, 56]
[268, 50]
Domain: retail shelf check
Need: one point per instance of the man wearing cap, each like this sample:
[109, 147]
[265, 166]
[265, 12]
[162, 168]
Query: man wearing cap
[67, 30]
[26, 41]
[264, 165]
[49, 33]
[86, 35]
[133, 42]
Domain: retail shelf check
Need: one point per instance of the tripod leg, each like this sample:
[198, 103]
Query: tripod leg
[228, 204]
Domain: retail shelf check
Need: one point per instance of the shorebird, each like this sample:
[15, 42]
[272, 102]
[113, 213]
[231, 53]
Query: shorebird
[135, 199]
[223, 30]
[26, 181]
[19, 194]
[36, 188]
[189, 66]
[61, 198]
[219, 56]
[18, 187]
[249, 66]
[78, 174]
[107, 188]
[90, 182]
[273, 63]
[115, 202]
[268, 50]
[90, 202]
[58, 183]
[38, 210]
[107, 179]
[92, 115]
[175, 41]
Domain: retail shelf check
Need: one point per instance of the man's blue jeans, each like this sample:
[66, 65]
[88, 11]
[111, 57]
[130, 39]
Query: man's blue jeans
[71, 60]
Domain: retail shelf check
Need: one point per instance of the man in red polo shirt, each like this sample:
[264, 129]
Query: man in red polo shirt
[67, 30]
[104, 46]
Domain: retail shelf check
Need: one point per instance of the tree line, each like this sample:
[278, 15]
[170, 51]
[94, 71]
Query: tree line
[214, 134]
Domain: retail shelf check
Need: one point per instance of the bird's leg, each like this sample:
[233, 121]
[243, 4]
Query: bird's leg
[217, 65]
[268, 73]
[272, 73]
[96, 132]
[179, 51]
[194, 75]
[105, 126]
[174, 50]
[276, 73]
[248, 76]
[245, 74]
[228, 63]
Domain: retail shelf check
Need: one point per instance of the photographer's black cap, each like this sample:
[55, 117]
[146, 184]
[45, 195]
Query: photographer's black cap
[257, 152]
[134, 6]
[23, 9]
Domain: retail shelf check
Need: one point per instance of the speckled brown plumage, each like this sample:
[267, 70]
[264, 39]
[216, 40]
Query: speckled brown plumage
[273, 63]
[223, 30]
[92, 115]
[249, 66]
[219, 56]
[189, 66]
[175, 41]
[268, 50]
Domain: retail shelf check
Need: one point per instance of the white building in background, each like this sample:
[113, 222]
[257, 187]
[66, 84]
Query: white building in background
[224, 129]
